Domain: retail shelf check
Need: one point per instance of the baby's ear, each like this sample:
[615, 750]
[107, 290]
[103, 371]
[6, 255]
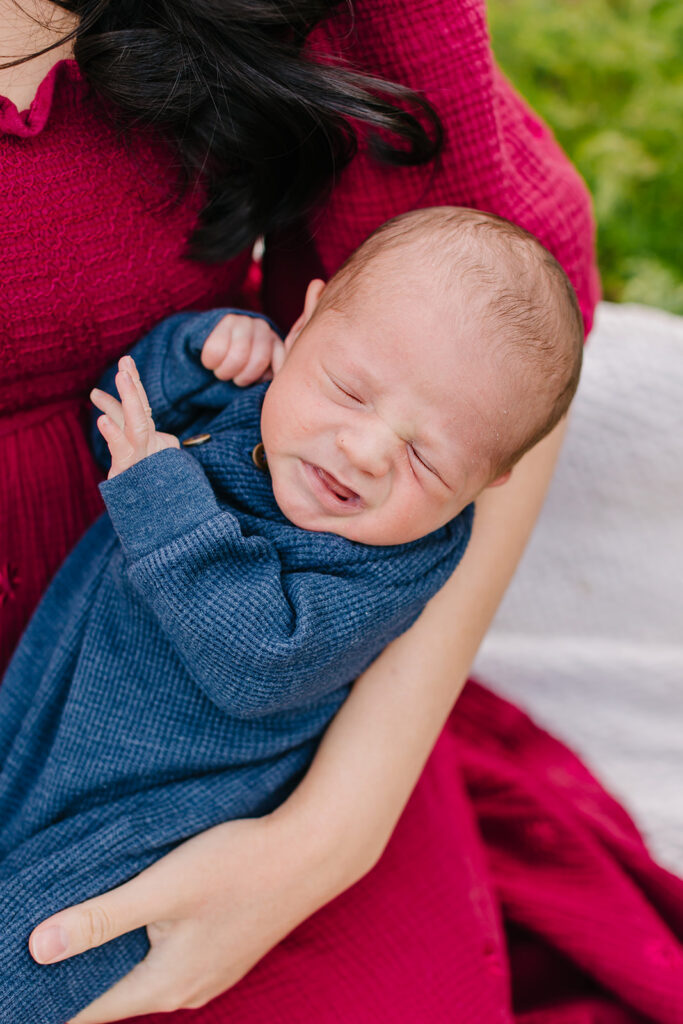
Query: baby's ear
[502, 479]
[313, 293]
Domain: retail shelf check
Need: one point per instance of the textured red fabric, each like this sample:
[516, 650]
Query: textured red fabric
[513, 888]
[505, 825]
[498, 155]
[91, 242]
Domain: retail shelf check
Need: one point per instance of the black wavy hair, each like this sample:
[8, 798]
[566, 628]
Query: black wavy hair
[230, 83]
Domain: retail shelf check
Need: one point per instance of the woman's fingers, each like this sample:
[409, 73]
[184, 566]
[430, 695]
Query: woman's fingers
[151, 896]
[170, 978]
[144, 990]
[213, 907]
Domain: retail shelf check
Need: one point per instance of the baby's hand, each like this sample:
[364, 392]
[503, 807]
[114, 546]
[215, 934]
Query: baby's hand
[127, 426]
[243, 349]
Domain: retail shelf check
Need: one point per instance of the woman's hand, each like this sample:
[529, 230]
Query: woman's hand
[213, 907]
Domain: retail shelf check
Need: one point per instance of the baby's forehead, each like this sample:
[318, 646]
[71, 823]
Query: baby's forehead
[411, 332]
[418, 375]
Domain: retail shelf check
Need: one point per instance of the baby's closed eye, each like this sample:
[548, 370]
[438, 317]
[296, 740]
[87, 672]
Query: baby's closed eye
[425, 466]
[345, 390]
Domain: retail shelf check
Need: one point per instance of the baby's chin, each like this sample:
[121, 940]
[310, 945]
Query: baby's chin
[292, 506]
[299, 514]
[293, 510]
[354, 528]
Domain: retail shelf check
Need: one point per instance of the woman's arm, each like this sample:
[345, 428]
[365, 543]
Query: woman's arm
[372, 755]
[217, 904]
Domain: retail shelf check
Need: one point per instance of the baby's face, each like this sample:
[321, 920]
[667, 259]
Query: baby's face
[379, 425]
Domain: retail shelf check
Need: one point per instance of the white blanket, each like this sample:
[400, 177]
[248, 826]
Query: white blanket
[589, 638]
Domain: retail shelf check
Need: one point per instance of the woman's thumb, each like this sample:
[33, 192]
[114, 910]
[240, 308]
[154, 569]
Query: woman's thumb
[87, 925]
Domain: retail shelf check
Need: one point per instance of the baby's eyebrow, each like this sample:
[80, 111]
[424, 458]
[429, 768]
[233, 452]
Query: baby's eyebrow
[356, 377]
[360, 374]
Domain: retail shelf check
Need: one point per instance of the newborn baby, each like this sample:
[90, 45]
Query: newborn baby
[188, 656]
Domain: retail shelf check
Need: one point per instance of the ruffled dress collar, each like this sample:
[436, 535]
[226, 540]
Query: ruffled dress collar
[64, 79]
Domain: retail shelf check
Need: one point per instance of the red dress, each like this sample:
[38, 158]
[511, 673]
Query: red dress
[513, 888]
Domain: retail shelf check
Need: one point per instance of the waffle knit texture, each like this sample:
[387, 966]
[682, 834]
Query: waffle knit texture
[180, 669]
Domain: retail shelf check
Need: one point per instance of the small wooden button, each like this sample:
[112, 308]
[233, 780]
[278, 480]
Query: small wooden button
[258, 457]
[192, 442]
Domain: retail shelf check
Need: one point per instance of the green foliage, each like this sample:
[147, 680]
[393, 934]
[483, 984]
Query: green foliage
[607, 75]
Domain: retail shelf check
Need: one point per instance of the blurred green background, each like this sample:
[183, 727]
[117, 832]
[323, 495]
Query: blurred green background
[607, 75]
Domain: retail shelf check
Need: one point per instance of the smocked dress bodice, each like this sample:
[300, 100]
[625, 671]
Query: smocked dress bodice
[92, 240]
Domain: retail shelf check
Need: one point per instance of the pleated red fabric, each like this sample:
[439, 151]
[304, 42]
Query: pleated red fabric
[514, 888]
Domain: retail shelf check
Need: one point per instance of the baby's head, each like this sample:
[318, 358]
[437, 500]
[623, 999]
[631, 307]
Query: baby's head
[447, 345]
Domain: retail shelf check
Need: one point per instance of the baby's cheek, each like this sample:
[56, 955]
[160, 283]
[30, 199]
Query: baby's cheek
[288, 416]
[398, 522]
[417, 514]
[286, 493]
[279, 485]
[409, 523]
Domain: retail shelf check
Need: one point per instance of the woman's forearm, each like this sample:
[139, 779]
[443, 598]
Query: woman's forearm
[374, 750]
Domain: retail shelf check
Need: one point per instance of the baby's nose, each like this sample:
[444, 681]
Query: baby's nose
[370, 451]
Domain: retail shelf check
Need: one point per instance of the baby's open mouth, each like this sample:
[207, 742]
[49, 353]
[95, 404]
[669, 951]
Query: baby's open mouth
[334, 496]
[342, 492]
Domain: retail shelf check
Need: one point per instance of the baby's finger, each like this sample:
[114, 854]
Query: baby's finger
[108, 404]
[218, 342]
[138, 425]
[122, 452]
[238, 351]
[259, 358]
[130, 367]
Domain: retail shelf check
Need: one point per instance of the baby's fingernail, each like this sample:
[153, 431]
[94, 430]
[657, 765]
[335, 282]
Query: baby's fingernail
[49, 943]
